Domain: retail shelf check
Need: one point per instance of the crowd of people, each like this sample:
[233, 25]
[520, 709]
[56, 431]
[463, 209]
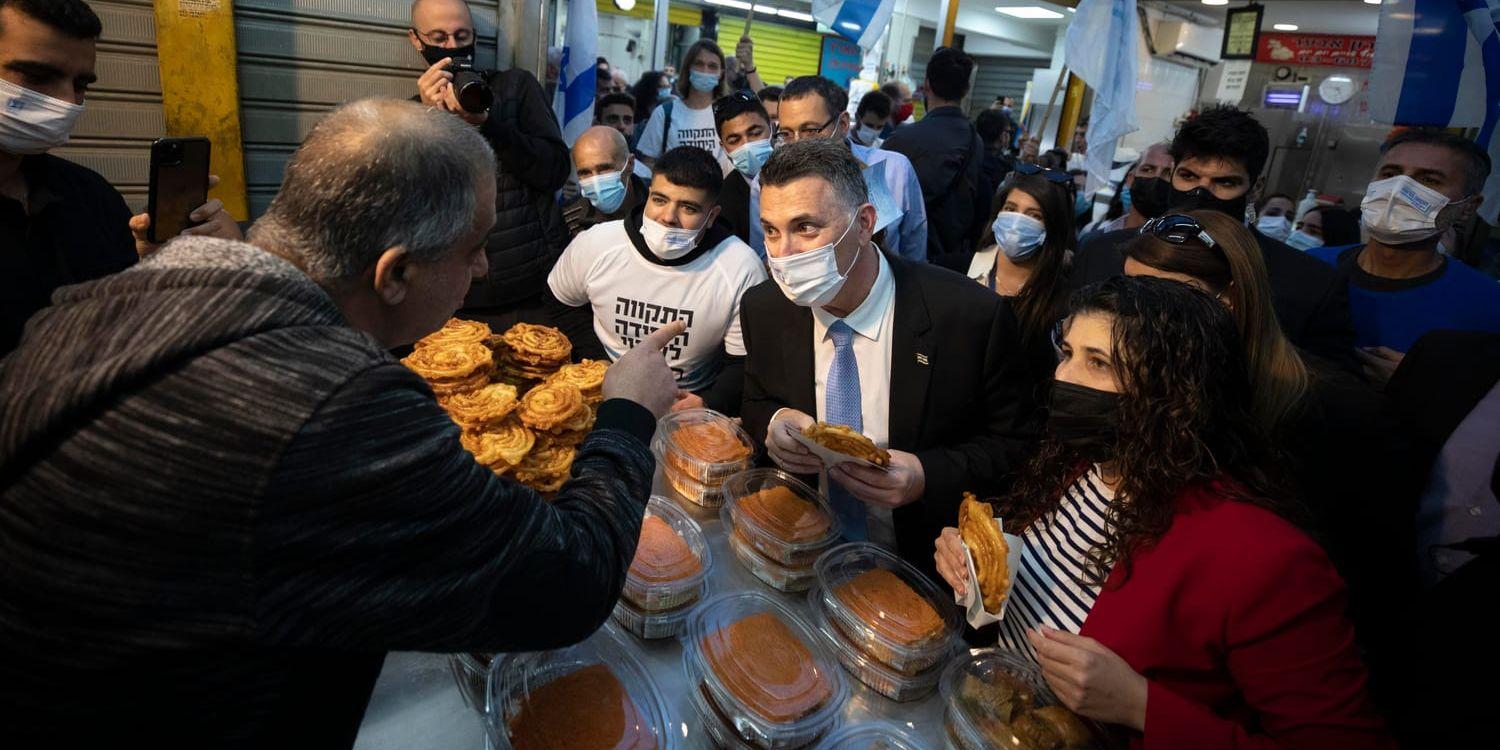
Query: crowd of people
[1251, 444]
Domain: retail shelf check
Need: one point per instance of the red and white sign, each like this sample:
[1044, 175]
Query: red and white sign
[1333, 50]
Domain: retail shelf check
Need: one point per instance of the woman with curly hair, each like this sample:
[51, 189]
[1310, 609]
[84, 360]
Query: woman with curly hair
[1163, 585]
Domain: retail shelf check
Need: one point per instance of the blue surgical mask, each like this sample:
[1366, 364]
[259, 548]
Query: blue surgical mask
[1125, 198]
[705, 82]
[1275, 227]
[750, 157]
[1080, 203]
[1302, 240]
[1018, 235]
[664, 93]
[606, 191]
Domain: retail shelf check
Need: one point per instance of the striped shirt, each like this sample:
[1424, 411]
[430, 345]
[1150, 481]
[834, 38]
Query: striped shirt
[1046, 590]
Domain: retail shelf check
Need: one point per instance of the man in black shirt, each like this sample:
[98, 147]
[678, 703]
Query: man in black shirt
[60, 223]
[607, 190]
[1219, 156]
[745, 131]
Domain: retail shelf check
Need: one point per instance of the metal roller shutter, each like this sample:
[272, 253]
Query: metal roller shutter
[677, 15]
[1001, 76]
[122, 113]
[298, 59]
[780, 51]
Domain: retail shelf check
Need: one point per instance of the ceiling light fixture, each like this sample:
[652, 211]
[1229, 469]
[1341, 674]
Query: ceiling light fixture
[1030, 12]
[794, 14]
[625, 4]
[1215, 2]
[1372, 2]
[1284, 26]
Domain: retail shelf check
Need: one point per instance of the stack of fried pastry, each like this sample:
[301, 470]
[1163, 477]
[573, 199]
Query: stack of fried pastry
[976, 524]
[457, 331]
[586, 375]
[452, 368]
[841, 439]
[528, 354]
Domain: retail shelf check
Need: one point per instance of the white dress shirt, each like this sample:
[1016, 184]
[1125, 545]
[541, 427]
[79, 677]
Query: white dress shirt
[871, 322]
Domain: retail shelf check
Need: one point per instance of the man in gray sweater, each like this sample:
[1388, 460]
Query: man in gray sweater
[222, 501]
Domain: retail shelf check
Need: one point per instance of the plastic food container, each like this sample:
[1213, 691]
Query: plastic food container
[874, 736]
[849, 611]
[793, 542]
[652, 597]
[750, 685]
[992, 699]
[770, 572]
[531, 696]
[471, 672]
[880, 677]
[653, 625]
[698, 449]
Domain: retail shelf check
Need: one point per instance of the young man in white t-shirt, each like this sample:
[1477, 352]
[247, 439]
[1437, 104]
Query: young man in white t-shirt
[669, 260]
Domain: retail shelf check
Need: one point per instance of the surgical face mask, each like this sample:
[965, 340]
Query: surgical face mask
[813, 278]
[606, 191]
[1150, 195]
[1018, 235]
[668, 243]
[434, 54]
[1275, 227]
[664, 93]
[1400, 211]
[705, 82]
[32, 123]
[867, 135]
[1080, 203]
[1199, 198]
[1083, 419]
[750, 157]
[1302, 240]
[1125, 200]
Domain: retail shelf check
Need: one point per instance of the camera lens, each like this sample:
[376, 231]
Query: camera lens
[473, 93]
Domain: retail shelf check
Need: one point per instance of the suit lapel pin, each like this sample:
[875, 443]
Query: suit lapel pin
[921, 358]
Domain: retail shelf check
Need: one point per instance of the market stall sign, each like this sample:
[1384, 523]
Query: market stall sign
[1334, 50]
[840, 60]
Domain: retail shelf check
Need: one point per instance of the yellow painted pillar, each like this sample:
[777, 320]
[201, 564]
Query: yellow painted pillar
[1071, 111]
[950, 23]
[200, 92]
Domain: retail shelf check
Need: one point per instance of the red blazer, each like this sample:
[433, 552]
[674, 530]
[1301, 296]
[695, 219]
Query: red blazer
[1236, 619]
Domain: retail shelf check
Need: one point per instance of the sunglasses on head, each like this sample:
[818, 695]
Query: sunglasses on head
[741, 95]
[1052, 175]
[1178, 230]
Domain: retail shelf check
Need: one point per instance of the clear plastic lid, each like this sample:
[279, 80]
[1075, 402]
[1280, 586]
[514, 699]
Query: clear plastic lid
[535, 699]
[785, 519]
[702, 444]
[654, 625]
[764, 669]
[879, 676]
[705, 495]
[772, 573]
[872, 736]
[471, 671]
[887, 607]
[672, 559]
[996, 698]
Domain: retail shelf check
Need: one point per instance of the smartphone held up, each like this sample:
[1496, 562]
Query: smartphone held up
[179, 184]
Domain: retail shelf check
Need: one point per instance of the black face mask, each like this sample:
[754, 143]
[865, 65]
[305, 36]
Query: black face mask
[1083, 419]
[1150, 195]
[1200, 198]
[433, 54]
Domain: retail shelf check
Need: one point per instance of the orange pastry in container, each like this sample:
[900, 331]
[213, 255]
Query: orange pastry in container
[767, 669]
[584, 710]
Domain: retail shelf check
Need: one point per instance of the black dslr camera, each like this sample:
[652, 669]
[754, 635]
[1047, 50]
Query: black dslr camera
[471, 86]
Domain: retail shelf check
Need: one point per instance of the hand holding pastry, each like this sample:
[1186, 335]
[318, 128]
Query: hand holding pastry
[952, 560]
[641, 374]
[901, 483]
[784, 449]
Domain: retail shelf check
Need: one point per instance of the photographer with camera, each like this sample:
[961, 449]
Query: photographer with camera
[532, 163]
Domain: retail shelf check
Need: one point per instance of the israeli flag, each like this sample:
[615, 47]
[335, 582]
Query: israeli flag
[859, 21]
[1101, 49]
[578, 72]
[1437, 62]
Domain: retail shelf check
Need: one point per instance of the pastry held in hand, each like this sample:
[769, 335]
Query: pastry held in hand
[843, 440]
[994, 557]
[828, 456]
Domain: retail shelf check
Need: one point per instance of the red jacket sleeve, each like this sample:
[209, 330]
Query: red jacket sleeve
[1289, 650]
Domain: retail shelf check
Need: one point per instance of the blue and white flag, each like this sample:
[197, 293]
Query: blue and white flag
[1101, 49]
[859, 21]
[578, 72]
[1437, 62]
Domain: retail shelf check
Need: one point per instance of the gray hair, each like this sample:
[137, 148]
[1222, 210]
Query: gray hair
[376, 174]
[824, 158]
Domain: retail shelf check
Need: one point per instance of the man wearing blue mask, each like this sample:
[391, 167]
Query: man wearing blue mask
[607, 188]
[60, 223]
[668, 260]
[745, 130]
[920, 360]
[1400, 286]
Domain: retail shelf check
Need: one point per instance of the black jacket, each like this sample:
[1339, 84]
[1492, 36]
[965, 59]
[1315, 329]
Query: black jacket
[581, 215]
[957, 387]
[221, 500]
[948, 156]
[1311, 298]
[734, 205]
[529, 232]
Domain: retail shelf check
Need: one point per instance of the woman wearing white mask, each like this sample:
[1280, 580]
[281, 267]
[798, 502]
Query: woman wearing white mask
[1026, 255]
[688, 120]
[1274, 216]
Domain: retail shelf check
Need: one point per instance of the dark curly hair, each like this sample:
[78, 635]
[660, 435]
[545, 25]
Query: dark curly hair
[1184, 419]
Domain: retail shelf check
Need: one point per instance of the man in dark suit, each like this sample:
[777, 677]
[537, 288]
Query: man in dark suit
[917, 358]
[1219, 156]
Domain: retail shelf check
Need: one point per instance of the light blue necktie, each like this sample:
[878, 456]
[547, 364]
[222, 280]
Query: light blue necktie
[841, 405]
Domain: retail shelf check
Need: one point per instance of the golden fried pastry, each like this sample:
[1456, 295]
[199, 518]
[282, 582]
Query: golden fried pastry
[456, 331]
[891, 607]
[553, 407]
[503, 447]
[587, 709]
[662, 556]
[482, 408]
[538, 345]
[710, 442]
[976, 524]
[1052, 728]
[586, 375]
[1001, 699]
[841, 439]
[785, 515]
[452, 368]
[546, 467]
[767, 668]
